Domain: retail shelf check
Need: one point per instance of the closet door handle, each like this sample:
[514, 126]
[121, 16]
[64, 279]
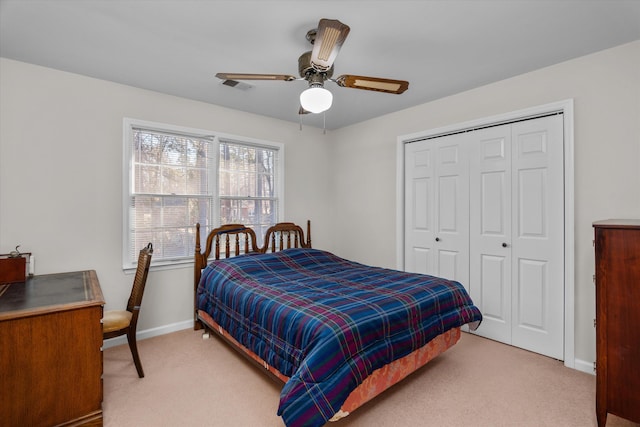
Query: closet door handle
[504, 245]
[437, 239]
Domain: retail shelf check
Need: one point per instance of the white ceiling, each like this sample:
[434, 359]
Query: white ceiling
[441, 47]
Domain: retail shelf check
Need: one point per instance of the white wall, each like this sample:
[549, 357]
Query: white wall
[606, 90]
[61, 176]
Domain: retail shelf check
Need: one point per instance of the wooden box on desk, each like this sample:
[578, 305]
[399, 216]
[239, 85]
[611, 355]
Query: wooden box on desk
[12, 269]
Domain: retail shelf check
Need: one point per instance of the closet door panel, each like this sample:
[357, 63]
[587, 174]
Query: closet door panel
[532, 192]
[532, 291]
[493, 209]
[538, 241]
[449, 253]
[447, 204]
[436, 208]
[452, 200]
[419, 207]
[448, 264]
[494, 287]
[421, 260]
[490, 229]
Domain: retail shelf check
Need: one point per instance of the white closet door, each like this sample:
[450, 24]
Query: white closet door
[486, 208]
[419, 209]
[490, 230]
[517, 233]
[452, 209]
[538, 235]
[436, 208]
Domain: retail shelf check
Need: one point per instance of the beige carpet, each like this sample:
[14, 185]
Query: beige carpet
[194, 382]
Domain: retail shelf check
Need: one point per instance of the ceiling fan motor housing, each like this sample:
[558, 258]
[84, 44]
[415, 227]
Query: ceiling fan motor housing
[306, 69]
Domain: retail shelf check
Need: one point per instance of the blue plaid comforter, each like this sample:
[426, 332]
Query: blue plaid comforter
[327, 322]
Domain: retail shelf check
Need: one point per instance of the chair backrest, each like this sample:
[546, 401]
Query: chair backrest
[139, 282]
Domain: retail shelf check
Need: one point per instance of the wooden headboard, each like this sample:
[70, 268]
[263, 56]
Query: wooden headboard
[285, 235]
[228, 235]
[237, 239]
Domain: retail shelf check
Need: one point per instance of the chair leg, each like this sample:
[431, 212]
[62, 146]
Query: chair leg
[131, 337]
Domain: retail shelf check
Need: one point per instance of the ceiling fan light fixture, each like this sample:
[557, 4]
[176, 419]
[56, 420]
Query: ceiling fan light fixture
[316, 99]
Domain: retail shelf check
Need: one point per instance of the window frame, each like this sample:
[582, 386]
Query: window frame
[129, 124]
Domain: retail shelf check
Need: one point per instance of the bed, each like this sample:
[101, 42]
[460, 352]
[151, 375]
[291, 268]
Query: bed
[335, 332]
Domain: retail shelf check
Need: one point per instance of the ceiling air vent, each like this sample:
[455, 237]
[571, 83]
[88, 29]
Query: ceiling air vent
[236, 84]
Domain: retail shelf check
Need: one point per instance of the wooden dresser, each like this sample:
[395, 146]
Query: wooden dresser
[617, 251]
[51, 350]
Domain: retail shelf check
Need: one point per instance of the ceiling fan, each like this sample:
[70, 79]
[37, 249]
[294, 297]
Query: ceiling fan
[316, 67]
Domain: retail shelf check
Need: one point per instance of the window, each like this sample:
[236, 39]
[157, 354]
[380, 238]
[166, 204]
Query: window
[176, 177]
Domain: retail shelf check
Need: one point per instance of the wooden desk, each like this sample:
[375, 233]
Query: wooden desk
[51, 350]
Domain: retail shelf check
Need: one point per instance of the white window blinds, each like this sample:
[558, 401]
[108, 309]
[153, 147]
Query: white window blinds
[171, 191]
[179, 177]
[247, 186]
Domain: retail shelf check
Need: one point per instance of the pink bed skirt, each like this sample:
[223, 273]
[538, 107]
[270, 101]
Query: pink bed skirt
[380, 380]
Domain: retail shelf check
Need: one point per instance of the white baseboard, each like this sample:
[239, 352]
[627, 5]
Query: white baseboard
[584, 366]
[148, 333]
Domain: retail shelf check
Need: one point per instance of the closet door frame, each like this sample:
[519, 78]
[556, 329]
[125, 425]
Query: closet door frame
[566, 108]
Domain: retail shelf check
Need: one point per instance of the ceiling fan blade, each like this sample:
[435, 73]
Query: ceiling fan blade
[373, 83]
[330, 35]
[244, 76]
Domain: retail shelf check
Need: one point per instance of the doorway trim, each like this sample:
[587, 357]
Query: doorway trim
[566, 108]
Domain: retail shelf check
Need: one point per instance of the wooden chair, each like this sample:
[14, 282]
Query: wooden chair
[120, 322]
